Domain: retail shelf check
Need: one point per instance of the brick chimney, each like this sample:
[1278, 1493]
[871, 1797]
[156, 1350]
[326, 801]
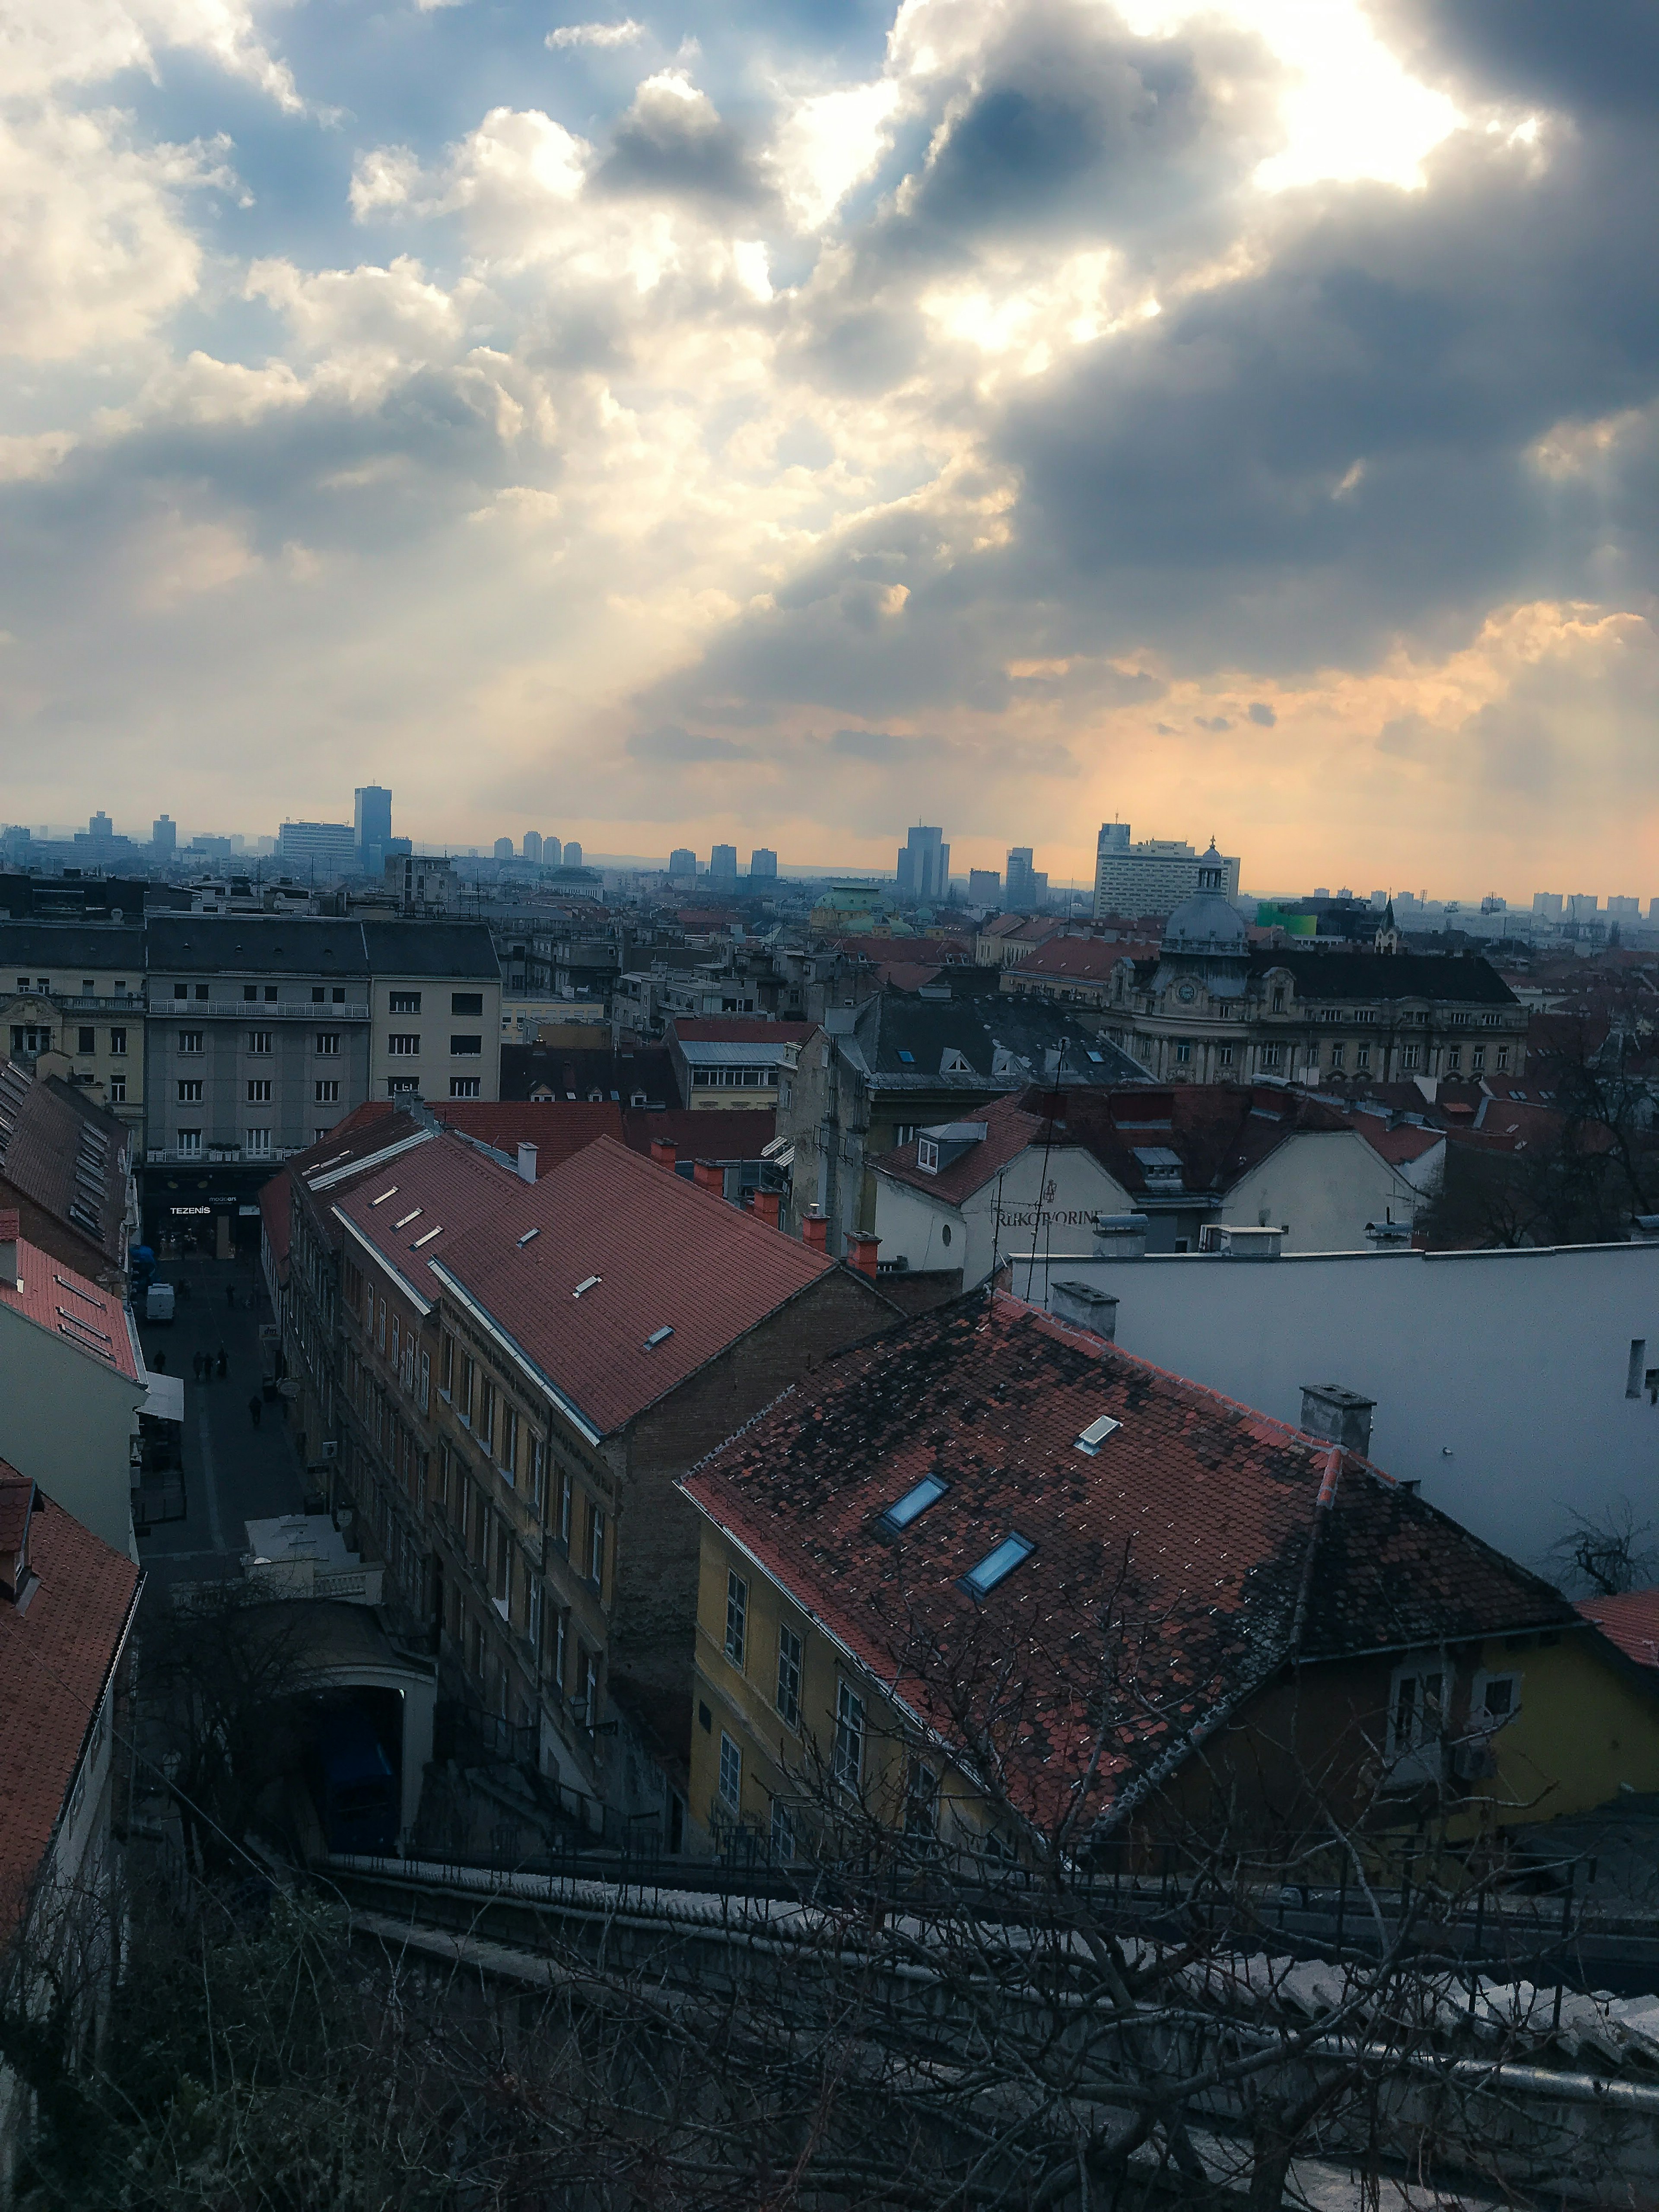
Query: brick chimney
[767, 1205]
[708, 1175]
[665, 1151]
[11, 1228]
[862, 1253]
[815, 1230]
[526, 1163]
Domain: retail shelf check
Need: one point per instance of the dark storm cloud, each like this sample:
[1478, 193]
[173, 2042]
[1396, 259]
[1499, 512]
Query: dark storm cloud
[1593, 57]
[669, 145]
[1263, 714]
[670, 746]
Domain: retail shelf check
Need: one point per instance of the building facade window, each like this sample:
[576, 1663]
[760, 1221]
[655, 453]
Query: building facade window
[328, 1044]
[328, 1094]
[258, 1090]
[731, 1775]
[190, 1143]
[465, 1086]
[849, 1737]
[117, 1043]
[190, 1040]
[259, 1041]
[190, 1094]
[259, 1143]
[737, 1618]
[405, 1002]
[596, 1546]
[403, 1044]
[466, 1047]
[789, 1675]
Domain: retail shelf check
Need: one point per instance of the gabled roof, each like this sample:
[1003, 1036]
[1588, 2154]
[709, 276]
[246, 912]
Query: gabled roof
[444, 1186]
[1631, 1620]
[737, 1133]
[55, 1656]
[913, 1042]
[1009, 1130]
[1179, 1550]
[67, 1156]
[556, 1127]
[1081, 959]
[1219, 1132]
[576, 1072]
[68, 1306]
[610, 1213]
[1400, 1146]
[253, 944]
[458, 951]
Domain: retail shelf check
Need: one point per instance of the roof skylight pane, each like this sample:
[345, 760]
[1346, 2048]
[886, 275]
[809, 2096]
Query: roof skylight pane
[995, 1565]
[390, 1191]
[914, 1502]
[1096, 1433]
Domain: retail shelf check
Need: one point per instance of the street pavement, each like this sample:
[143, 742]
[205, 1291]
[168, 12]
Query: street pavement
[233, 1472]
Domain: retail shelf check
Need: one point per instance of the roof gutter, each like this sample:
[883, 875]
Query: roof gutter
[516, 1353]
[370, 1160]
[380, 1261]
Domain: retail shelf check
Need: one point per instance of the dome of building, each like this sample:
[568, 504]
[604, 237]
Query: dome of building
[1208, 921]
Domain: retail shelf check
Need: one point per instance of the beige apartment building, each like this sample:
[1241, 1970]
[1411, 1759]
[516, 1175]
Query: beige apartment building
[434, 1010]
[72, 1004]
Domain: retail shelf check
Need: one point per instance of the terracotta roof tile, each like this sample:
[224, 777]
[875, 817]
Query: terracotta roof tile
[73, 1309]
[55, 1660]
[1176, 1554]
[709, 1134]
[1631, 1620]
[611, 1214]
[1009, 1128]
[68, 1156]
[556, 1127]
[443, 1185]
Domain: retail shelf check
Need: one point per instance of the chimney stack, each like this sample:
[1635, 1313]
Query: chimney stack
[862, 1253]
[708, 1175]
[1341, 1417]
[665, 1151]
[815, 1230]
[11, 1228]
[1120, 1236]
[767, 1203]
[1084, 1307]
[526, 1163]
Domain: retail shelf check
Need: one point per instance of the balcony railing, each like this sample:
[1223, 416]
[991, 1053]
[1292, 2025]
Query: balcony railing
[188, 1011]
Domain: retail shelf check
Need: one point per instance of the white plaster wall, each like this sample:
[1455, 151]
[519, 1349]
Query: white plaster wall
[66, 1422]
[1498, 1376]
[1327, 1184]
[1055, 1204]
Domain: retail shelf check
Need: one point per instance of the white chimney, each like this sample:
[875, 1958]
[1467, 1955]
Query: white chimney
[526, 1163]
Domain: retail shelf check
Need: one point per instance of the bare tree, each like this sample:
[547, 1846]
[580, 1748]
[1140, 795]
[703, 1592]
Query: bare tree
[1607, 1552]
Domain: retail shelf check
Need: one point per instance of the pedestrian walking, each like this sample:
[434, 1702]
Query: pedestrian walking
[224, 1363]
[254, 1409]
[159, 1362]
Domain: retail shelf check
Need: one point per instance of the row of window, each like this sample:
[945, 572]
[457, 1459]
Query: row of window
[42, 985]
[733, 1079]
[405, 1044]
[1335, 1056]
[187, 1143]
[260, 1043]
[325, 1093]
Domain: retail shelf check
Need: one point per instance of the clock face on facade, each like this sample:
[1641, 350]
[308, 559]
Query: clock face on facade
[1186, 995]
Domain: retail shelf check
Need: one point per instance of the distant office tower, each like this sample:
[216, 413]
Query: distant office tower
[164, 835]
[1548, 904]
[532, 846]
[723, 864]
[984, 886]
[371, 826]
[100, 826]
[682, 866]
[1151, 878]
[1582, 906]
[573, 854]
[924, 865]
[1379, 900]
[503, 848]
[763, 865]
[317, 848]
[1021, 890]
[1624, 909]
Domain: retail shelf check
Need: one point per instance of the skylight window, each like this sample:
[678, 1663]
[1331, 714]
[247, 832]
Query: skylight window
[657, 1336]
[916, 1502]
[587, 1283]
[436, 1231]
[529, 1237]
[909, 1058]
[1096, 1433]
[995, 1565]
[390, 1191]
[414, 1213]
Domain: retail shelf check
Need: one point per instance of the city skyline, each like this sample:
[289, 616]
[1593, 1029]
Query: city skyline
[782, 423]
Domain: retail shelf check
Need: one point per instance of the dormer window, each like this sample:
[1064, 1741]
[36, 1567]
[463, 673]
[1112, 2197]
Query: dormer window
[928, 1155]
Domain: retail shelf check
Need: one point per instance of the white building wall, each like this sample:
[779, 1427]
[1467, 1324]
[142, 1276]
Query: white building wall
[67, 1423]
[1499, 1377]
[1321, 1186]
[1054, 1203]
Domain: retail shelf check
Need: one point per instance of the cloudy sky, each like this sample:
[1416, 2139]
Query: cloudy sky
[786, 419]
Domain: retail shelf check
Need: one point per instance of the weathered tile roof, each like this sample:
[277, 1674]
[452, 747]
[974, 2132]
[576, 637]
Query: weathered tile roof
[730, 1133]
[1171, 1570]
[443, 1185]
[556, 1127]
[1009, 1129]
[611, 1214]
[1461, 979]
[55, 1660]
[1631, 1620]
[66, 1156]
[59, 1299]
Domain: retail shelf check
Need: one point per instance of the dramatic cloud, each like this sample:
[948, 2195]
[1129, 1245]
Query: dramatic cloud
[1241, 418]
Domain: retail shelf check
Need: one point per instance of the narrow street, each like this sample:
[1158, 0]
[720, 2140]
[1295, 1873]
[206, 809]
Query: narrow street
[232, 1471]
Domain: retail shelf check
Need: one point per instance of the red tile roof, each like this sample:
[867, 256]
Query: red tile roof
[61, 1152]
[55, 1660]
[1399, 1147]
[556, 1127]
[73, 1309]
[1631, 1620]
[453, 1185]
[1009, 1130]
[729, 1030]
[1180, 1551]
[1085, 959]
[711, 1134]
[611, 1214]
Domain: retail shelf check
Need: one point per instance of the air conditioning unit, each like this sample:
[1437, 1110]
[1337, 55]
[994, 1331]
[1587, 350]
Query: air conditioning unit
[329, 1450]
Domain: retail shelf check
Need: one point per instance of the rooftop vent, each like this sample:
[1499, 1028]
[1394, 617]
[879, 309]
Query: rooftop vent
[1084, 1307]
[529, 1236]
[1096, 1433]
[589, 1283]
[1252, 1243]
[1120, 1236]
[657, 1336]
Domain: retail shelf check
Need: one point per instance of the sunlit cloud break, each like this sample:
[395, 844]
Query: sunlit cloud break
[628, 32]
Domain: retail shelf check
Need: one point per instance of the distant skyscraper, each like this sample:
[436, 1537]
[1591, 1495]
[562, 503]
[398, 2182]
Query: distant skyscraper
[100, 826]
[682, 866]
[1151, 878]
[1021, 890]
[321, 849]
[573, 854]
[723, 864]
[503, 848]
[1582, 906]
[371, 827]
[924, 865]
[164, 835]
[984, 886]
[552, 852]
[532, 846]
[1547, 904]
[763, 865]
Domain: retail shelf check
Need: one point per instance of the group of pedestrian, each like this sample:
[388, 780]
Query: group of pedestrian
[207, 1365]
